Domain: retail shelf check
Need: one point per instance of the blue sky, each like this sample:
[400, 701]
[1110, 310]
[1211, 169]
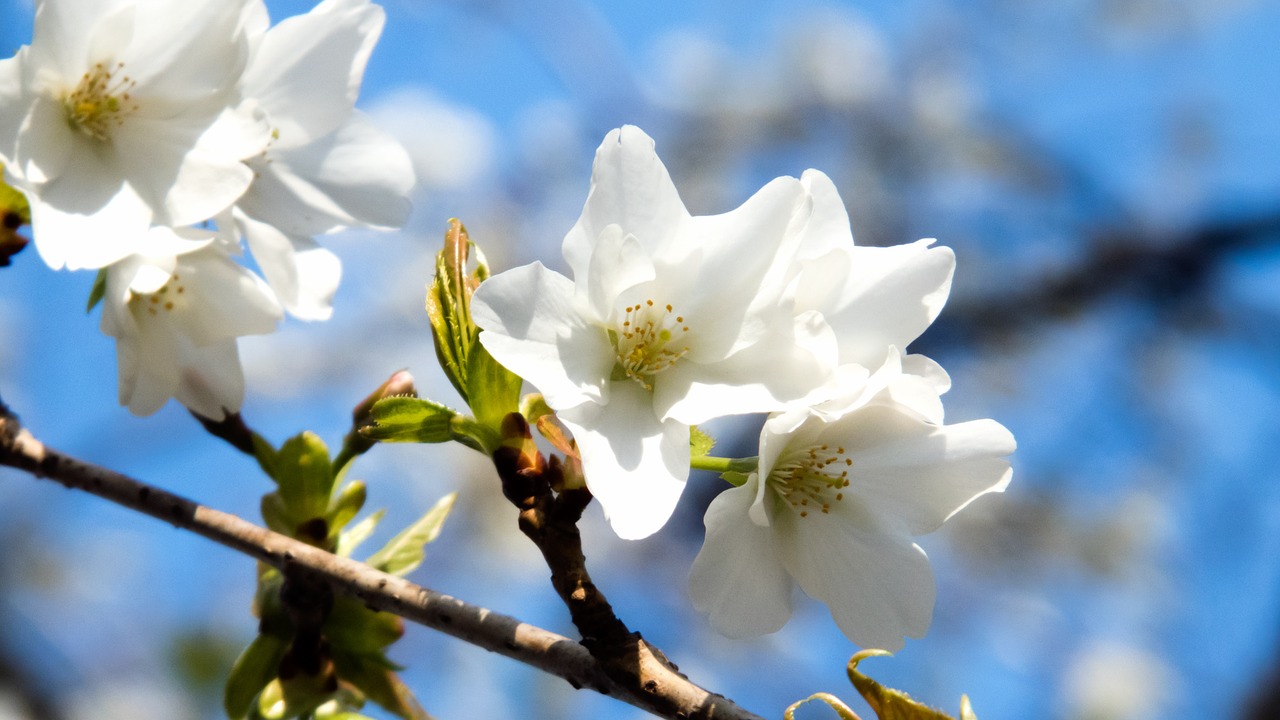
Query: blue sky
[1133, 565]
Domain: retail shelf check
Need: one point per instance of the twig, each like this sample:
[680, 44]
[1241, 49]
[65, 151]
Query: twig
[550, 520]
[673, 697]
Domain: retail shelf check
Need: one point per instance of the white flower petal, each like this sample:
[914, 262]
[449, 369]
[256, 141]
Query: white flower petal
[212, 381]
[356, 175]
[630, 188]
[878, 586]
[618, 263]
[919, 474]
[46, 146]
[89, 231]
[12, 108]
[307, 70]
[184, 177]
[634, 465]
[303, 275]
[889, 297]
[529, 325]
[792, 363]
[737, 578]
[187, 54]
[233, 301]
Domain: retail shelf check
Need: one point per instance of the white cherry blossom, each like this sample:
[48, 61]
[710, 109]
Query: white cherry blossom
[327, 166]
[176, 318]
[669, 320]
[841, 490]
[124, 113]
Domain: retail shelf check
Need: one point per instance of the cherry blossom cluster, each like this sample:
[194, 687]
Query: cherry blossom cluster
[155, 139]
[671, 320]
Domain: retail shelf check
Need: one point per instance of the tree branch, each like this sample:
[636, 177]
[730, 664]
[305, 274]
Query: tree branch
[673, 697]
[550, 520]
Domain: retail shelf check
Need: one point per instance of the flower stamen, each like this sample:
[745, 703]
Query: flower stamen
[101, 102]
[814, 475]
[647, 343]
[161, 300]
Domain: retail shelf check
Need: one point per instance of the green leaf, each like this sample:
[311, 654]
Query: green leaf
[265, 454]
[966, 709]
[255, 667]
[345, 505]
[351, 538]
[700, 443]
[410, 419]
[369, 673]
[888, 704]
[353, 626]
[492, 390]
[832, 701]
[405, 551]
[12, 201]
[305, 477]
[276, 515]
[98, 291]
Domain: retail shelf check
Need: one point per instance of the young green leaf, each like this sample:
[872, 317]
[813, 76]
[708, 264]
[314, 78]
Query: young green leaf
[255, 667]
[409, 419]
[305, 477]
[888, 704]
[370, 673]
[405, 551]
[353, 626]
[344, 506]
[492, 390]
[351, 538]
[833, 702]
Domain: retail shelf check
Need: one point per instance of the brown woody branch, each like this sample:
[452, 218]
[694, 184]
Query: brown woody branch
[666, 694]
[550, 520]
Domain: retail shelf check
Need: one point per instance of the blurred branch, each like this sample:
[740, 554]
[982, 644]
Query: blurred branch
[1126, 262]
[544, 650]
[28, 692]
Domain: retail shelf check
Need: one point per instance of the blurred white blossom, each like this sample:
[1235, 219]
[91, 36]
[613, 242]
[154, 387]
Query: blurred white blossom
[121, 114]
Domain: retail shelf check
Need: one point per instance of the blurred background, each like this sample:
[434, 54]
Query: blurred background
[1108, 173]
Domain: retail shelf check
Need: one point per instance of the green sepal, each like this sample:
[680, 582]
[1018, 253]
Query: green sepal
[351, 538]
[410, 419]
[305, 477]
[700, 443]
[887, 703]
[372, 674]
[98, 291]
[352, 626]
[737, 479]
[405, 551]
[344, 506]
[492, 390]
[253, 670]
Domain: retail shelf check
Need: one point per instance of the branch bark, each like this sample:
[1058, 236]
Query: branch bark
[674, 697]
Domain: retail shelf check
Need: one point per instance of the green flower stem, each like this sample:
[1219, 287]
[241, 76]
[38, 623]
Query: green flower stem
[724, 465]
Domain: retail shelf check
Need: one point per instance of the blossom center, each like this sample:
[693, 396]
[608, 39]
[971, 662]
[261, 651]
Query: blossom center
[650, 341]
[101, 101]
[812, 478]
[171, 297]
